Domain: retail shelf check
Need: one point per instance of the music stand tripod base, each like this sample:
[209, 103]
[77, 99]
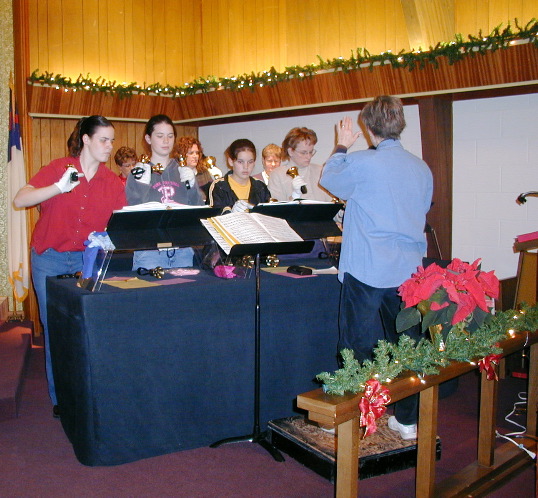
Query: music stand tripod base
[240, 250]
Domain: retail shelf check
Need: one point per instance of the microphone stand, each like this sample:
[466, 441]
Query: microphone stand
[522, 198]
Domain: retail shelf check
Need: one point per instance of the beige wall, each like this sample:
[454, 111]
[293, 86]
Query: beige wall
[175, 41]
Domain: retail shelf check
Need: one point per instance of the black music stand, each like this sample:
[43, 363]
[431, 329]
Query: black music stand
[148, 230]
[257, 435]
[310, 221]
[160, 229]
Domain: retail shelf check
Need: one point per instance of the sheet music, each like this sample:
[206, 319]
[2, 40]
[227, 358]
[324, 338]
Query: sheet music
[249, 228]
[219, 239]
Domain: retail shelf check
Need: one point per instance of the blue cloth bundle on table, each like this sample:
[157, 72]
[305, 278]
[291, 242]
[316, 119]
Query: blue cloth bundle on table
[95, 242]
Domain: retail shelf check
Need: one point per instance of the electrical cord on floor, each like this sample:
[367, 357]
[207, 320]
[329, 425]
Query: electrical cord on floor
[521, 434]
[523, 401]
[520, 446]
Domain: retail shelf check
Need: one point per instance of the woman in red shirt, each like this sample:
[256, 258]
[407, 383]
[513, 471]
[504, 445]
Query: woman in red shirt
[77, 195]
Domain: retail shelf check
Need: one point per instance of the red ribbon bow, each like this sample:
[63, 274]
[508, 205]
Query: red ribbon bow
[372, 405]
[488, 364]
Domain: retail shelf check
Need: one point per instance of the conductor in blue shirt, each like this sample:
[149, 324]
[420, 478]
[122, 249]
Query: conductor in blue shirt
[388, 192]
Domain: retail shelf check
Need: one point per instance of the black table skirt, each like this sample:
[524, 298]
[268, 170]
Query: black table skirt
[144, 372]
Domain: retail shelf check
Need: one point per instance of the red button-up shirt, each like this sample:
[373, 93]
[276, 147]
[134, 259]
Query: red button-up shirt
[67, 219]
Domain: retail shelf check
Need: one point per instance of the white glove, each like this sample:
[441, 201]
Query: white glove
[142, 173]
[339, 217]
[241, 206]
[65, 184]
[215, 172]
[187, 176]
[296, 185]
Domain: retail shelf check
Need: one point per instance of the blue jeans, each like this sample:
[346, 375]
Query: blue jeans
[48, 264]
[169, 258]
[368, 315]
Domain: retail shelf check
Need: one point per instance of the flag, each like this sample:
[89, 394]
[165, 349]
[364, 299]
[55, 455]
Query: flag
[16, 219]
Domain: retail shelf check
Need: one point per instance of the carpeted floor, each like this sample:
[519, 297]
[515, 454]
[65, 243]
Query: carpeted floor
[36, 459]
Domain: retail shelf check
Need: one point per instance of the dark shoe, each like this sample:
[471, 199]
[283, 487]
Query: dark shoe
[56, 411]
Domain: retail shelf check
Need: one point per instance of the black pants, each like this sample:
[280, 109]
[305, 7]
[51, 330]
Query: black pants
[367, 315]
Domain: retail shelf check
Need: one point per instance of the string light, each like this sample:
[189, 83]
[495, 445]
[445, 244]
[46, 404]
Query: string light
[452, 51]
[391, 360]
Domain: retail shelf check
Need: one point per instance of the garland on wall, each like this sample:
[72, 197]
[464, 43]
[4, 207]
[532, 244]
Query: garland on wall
[426, 357]
[453, 51]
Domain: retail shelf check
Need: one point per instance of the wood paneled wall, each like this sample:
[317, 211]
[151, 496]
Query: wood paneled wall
[174, 41]
[49, 137]
[52, 134]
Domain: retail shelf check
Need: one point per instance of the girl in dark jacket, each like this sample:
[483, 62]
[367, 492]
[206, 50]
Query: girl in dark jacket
[238, 191]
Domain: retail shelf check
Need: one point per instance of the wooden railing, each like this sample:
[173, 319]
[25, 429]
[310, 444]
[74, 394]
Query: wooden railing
[493, 467]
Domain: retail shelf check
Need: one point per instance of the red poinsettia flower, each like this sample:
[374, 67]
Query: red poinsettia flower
[435, 306]
[490, 283]
[421, 285]
[463, 284]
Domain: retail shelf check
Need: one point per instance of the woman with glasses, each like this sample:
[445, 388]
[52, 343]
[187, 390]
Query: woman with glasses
[297, 178]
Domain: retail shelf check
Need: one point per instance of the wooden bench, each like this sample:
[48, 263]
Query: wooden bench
[493, 467]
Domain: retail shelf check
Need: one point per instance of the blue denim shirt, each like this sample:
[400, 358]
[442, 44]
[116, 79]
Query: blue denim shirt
[388, 192]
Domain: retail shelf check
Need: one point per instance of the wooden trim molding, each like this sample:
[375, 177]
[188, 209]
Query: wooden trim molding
[515, 65]
[436, 129]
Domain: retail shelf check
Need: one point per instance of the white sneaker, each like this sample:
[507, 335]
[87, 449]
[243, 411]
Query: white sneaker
[406, 431]
[331, 430]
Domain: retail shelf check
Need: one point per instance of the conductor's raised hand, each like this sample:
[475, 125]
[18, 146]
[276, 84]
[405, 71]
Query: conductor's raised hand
[344, 133]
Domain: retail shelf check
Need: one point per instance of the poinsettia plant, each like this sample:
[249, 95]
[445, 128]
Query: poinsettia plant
[458, 296]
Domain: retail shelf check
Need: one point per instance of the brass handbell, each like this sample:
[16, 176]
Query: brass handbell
[157, 168]
[157, 272]
[182, 161]
[272, 260]
[247, 261]
[294, 172]
[74, 174]
[211, 166]
[138, 171]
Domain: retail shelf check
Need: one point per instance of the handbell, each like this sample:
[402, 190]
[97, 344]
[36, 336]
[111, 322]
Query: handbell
[157, 168]
[211, 165]
[144, 159]
[157, 272]
[293, 172]
[74, 174]
[183, 164]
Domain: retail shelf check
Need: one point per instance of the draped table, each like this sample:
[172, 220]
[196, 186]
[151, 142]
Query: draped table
[147, 371]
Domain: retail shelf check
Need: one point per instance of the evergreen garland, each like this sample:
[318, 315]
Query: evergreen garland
[427, 357]
[454, 51]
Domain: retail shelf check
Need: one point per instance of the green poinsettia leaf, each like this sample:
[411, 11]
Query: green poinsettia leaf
[438, 317]
[407, 318]
[479, 317]
[439, 296]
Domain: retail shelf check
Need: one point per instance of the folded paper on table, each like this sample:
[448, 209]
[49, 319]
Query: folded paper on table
[133, 283]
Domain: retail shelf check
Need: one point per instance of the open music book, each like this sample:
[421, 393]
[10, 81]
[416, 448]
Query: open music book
[248, 228]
